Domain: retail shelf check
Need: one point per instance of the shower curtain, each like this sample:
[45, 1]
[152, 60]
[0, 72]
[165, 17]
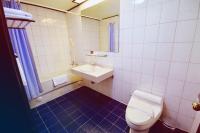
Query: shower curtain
[22, 49]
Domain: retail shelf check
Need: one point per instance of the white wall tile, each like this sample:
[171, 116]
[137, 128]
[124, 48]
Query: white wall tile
[170, 117]
[149, 51]
[145, 83]
[140, 17]
[137, 65]
[185, 31]
[163, 52]
[191, 91]
[170, 10]
[178, 71]
[166, 32]
[151, 33]
[148, 67]
[137, 51]
[172, 103]
[184, 123]
[153, 14]
[159, 85]
[188, 9]
[193, 73]
[162, 69]
[138, 35]
[186, 109]
[195, 57]
[175, 88]
[197, 35]
[181, 52]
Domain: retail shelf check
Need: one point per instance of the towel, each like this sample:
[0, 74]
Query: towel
[17, 16]
[60, 80]
[15, 13]
[21, 72]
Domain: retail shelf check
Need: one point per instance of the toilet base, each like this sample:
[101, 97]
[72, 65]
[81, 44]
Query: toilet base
[137, 131]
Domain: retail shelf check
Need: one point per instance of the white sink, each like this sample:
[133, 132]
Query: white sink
[93, 72]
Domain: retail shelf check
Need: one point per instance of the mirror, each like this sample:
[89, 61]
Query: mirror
[100, 26]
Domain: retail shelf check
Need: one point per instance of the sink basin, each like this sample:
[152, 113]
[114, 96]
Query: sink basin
[93, 72]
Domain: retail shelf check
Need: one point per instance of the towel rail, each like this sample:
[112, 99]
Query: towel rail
[59, 87]
[18, 23]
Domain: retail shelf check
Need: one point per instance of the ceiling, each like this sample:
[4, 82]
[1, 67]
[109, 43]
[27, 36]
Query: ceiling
[104, 9]
[59, 4]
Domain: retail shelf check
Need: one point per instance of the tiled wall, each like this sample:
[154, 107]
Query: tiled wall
[160, 54]
[48, 38]
[75, 36]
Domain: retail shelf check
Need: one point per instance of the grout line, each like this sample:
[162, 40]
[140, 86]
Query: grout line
[168, 22]
[156, 46]
[64, 111]
[172, 52]
[56, 117]
[43, 121]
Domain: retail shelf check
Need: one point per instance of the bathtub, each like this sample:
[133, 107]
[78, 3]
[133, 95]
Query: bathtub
[51, 92]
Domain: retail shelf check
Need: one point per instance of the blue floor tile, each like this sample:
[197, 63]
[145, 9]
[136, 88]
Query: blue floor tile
[56, 128]
[71, 128]
[105, 125]
[115, 129]
[88, 126]
[97, 118]
[75, 112]
[65, 120]
[74, 115]
[40, 129]
[82, 119]
[112, 117]
[121, 124]
[97, 130]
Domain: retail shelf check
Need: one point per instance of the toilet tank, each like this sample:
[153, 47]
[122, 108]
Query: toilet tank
[148, 97]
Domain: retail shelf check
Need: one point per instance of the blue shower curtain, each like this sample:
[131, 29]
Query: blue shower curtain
[22, 48]
[112, 37]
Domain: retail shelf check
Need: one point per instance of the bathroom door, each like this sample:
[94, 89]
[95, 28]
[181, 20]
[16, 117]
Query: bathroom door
[196, 124]
[14, 109]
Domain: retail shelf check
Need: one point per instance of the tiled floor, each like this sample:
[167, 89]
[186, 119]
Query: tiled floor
[81, 111]
[85, 111]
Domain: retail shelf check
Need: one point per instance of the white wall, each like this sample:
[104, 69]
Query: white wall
[160, 54]
[49, 42]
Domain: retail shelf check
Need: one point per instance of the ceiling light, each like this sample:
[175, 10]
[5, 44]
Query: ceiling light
[139, 1]
[78, 1]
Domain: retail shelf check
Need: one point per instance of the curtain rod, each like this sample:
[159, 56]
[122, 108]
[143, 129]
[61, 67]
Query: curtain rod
[55, 9]
[110, 17]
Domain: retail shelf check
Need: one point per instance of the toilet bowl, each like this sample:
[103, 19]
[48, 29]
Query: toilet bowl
[143, 110]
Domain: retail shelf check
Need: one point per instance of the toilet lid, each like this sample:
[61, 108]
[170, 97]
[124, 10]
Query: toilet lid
[138, 117]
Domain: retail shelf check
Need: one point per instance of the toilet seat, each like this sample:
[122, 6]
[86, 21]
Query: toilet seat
[139, 118]
[142, 112]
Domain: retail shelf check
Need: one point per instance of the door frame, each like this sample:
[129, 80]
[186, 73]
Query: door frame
[15, 110]
[196, 123]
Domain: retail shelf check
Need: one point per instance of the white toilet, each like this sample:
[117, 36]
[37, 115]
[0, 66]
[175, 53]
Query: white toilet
[143, 110]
